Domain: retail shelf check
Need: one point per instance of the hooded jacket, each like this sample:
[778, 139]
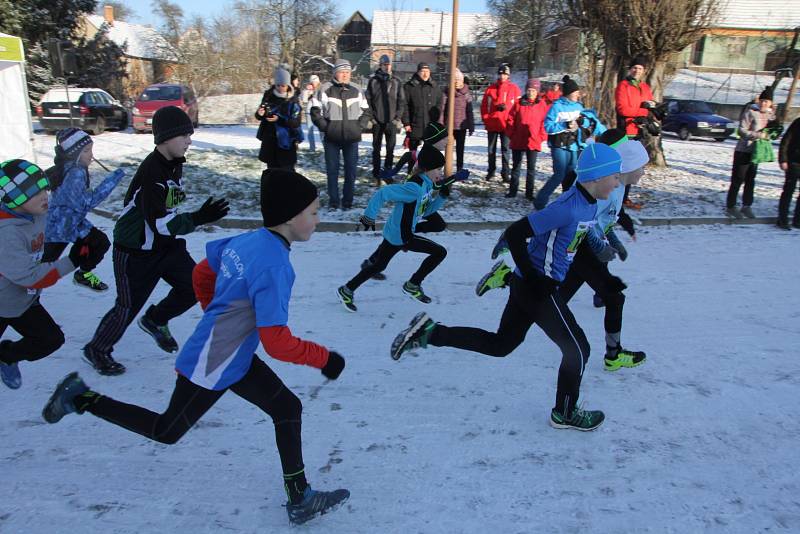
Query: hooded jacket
[556, 124]
[496, 105]
[526, 124]
[385, 97]
[22, 275]
[340, 111]
[628, 99]
[421, 99]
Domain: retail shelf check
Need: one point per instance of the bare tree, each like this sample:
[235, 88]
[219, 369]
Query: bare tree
[521, 26]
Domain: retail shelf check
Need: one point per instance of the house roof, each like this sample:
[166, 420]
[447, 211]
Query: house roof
[428, 28]
[142, 41]
[761, 15]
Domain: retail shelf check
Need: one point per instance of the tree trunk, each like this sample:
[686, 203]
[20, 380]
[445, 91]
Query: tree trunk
[655, 78]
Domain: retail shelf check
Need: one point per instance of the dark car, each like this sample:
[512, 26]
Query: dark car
[93, 110]
[694, 117]
[161, 95]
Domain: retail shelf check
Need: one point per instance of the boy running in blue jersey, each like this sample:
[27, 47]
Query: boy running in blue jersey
[555, 234]
[600, 246]
[414, 199]
[244, 286]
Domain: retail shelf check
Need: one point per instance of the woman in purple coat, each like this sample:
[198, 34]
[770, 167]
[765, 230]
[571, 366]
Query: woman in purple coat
[463, 122]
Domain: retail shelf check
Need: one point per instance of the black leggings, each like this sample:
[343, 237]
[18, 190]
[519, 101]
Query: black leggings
[521, 312]
[379, 259]
[41, 336]
[96, 239]
[189, 402]
[587, 268]
[743, 172]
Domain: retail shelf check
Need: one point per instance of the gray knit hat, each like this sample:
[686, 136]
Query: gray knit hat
[341, 64]
[282, 77]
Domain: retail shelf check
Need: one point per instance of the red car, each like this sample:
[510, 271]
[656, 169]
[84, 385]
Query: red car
[158, 96]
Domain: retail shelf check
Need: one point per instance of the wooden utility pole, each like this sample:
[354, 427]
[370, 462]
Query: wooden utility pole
[796, 68]
[451, 93]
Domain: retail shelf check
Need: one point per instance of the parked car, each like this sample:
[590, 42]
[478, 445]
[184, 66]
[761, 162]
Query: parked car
[694, 117]
[161, 95]
[93, 110]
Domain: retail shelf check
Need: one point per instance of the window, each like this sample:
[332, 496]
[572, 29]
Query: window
[737, 46]
[161, 93]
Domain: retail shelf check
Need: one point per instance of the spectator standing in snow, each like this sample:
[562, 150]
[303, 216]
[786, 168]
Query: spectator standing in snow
[386, 103]
[280, 124]
[495, 108]
[789, 160]
[308, 95]
[463, 121]
[340, 111]
[752, 127]
[422, 100]
[526, 133]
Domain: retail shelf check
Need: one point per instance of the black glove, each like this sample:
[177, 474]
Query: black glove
[540, 286]
[614, 241]
[616, 285]
[606, 254]
[646, 105]
[501, 107]
[334, 367]
[79, 253]
[98, 244]
[211, 210]
[445, 191]
[366, 222]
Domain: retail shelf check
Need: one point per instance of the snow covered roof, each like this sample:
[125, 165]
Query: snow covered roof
[428, 28]
[142, 41]
[761, 15]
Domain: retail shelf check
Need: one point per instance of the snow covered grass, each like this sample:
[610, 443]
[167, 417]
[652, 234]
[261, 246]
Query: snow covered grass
[699, 439]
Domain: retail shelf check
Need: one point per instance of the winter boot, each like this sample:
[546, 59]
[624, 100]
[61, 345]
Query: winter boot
[415, 336]
[748, 212]
[346, 298]
[377, 276]
[734, 213]
[580, 419]
[89, 280]
[618, 358]
[103, 363]
[494, 279]
[160, 333]
[415, 292]
[62, 401]
[315, 503]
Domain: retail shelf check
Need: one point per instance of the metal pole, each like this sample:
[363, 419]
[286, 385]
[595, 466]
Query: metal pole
[451, 93]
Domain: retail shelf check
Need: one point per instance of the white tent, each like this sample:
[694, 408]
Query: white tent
[16, 132]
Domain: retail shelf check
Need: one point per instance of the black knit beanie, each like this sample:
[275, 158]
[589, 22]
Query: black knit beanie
[434, 132]
[568, 85]
[612, 136]
[430, 158]
[284, 194]
[169, 122]
[767, 94]
[638, 60]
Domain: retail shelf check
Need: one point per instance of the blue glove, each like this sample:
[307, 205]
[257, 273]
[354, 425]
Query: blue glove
[460, 176]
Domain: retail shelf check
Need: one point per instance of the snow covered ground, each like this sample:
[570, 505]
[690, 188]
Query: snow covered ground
[223, 162]
[702, 438]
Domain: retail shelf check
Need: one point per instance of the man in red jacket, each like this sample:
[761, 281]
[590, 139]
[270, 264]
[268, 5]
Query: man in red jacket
[526, 132]
[633, 99]
[495, 109]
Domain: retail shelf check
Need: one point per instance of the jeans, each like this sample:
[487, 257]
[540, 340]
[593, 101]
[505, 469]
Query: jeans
[563, 161]
[312, 144]
[493, 153]
[530, 170]
[743, 172]
[350, 152]
[460, 136]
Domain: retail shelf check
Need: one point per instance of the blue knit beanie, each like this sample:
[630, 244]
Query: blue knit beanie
[597, 161]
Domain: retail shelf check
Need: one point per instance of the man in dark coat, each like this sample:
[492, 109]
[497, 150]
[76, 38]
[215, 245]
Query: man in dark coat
[386, 102]
[422, 97]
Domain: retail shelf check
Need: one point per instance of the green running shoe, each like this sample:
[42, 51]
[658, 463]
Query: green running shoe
[624, 358]
[415, 336]
[583, 420]
[415, 292]
[346, 298]
[494, 279]
[90, 280]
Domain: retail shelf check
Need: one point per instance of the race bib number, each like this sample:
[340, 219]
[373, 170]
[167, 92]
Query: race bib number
[580, 234]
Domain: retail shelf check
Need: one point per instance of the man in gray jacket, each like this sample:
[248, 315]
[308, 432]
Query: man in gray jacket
[340, 112]
[386, 102]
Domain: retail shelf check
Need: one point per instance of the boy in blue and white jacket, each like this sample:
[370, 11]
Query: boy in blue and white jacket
[414, 199]
[543, 245]
[601, 246]
[71, 200]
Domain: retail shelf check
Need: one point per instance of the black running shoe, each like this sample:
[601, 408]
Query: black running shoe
[316, 503]
[415, 292]
[61, 402]
[415, 336]
[102, 363]
[346, 298]
[160, 333]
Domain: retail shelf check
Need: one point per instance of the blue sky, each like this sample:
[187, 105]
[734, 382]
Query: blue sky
[346, 7]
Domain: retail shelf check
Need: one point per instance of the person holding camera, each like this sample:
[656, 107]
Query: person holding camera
[495, 110]
[280, 121]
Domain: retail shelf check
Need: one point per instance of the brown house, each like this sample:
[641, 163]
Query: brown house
[149, 57]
